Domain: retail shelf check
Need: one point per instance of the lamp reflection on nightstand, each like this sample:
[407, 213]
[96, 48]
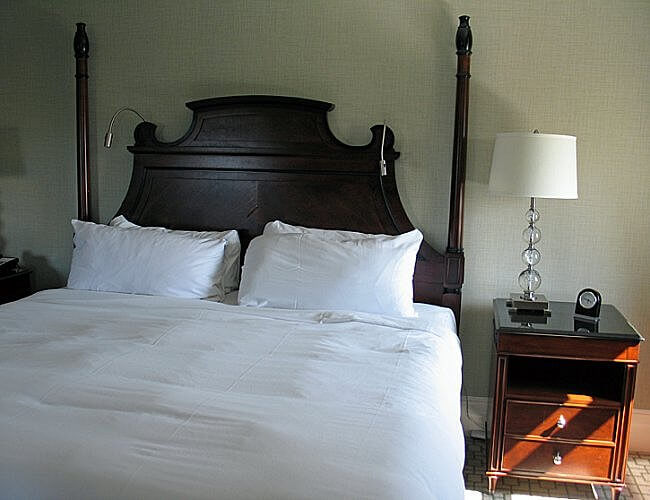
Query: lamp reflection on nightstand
[533, 165]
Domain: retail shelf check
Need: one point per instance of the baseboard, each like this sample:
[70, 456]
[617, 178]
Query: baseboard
[640, 432]
[475, 411]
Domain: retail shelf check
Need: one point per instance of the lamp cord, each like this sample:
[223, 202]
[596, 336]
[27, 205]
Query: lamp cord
[382, 162]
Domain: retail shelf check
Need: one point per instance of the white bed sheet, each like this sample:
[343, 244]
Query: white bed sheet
[106, 395]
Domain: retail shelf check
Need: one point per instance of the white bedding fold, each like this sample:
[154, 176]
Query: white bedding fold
[106, 395]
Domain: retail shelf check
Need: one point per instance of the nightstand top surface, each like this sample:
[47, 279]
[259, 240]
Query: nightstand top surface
[612, 325]
[12, 274]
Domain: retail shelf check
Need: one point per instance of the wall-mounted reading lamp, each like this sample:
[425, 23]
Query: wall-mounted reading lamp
[108, 138]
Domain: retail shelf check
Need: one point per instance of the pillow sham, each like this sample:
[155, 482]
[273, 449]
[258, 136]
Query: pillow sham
[232, 254]
[302, 271]
[114, 259]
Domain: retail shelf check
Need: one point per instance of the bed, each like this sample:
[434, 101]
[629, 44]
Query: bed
[114, 395]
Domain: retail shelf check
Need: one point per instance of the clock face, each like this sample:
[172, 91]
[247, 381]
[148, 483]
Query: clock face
[587, 300]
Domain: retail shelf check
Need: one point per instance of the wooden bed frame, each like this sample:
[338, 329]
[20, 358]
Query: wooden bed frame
[247, 160]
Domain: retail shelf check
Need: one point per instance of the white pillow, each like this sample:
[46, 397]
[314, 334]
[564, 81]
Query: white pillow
[114, 259]
[233, 248]
[302, 271]
[279, 227]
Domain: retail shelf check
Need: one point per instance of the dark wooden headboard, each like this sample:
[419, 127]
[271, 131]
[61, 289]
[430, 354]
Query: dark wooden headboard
[247, 160]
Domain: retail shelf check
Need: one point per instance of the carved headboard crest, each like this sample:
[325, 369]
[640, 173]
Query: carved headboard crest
[289, 126]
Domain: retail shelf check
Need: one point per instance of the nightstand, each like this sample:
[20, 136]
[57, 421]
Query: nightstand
[562, 396]
[15, 285]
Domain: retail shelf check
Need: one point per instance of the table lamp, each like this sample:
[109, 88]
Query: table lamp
[533, 165]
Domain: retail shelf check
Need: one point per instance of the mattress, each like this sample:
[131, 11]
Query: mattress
[106, 395]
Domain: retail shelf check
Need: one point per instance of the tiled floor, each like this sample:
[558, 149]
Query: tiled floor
[637, 481]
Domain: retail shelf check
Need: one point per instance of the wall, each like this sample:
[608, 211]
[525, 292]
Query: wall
[578, 67]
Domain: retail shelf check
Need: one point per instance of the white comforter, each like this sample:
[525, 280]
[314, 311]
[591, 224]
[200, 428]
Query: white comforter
[106, 395]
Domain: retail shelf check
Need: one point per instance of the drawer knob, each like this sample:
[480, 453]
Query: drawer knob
[557, 458]
[561, 422]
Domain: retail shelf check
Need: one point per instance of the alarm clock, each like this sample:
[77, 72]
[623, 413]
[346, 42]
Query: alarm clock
[588, 304]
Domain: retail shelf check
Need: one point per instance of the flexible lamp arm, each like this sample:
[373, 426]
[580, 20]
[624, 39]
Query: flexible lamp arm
[108, 138]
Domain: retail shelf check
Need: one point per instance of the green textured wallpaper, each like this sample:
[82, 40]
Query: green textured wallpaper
[578, 67]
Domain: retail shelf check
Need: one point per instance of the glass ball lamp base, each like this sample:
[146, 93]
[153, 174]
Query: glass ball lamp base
[529, 279]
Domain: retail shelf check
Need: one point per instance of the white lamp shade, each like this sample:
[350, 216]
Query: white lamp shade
[534, 165]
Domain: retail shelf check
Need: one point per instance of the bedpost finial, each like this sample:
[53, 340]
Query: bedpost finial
[464, 37]
[81, 45]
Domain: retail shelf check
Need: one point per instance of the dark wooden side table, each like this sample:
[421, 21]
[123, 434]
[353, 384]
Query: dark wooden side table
[15, 285]
[562, 396]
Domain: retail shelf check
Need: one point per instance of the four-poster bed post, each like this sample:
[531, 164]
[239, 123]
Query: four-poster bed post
[454, 256]
[81, 47]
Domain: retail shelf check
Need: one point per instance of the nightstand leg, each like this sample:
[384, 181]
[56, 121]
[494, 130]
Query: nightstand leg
[616, 492]
[492, 483]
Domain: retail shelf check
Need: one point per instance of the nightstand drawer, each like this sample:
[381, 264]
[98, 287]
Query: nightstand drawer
[551, 420]
[561, 459]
